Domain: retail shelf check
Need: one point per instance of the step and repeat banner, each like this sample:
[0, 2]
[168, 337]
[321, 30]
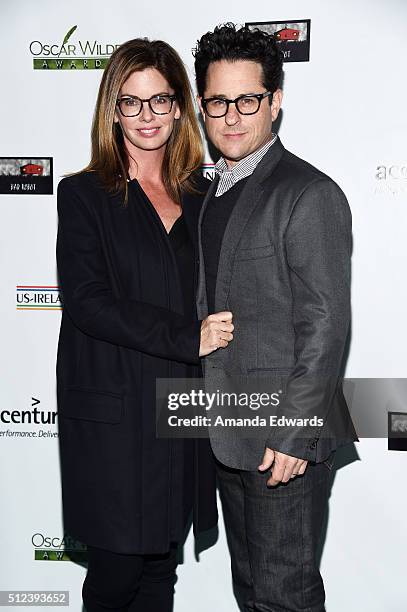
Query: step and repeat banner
[344, 110]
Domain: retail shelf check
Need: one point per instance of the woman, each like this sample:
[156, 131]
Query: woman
[126, 255]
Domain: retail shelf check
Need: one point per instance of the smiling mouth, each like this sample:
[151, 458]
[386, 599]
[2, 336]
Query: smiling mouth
[148, 131]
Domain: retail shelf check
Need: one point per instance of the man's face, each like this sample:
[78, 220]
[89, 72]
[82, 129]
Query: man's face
[236, 135]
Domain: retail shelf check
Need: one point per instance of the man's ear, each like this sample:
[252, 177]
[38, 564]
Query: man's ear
[201, 110]
[276, 104]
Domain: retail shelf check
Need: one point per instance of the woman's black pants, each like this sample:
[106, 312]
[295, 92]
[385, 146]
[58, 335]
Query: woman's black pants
[129, 583]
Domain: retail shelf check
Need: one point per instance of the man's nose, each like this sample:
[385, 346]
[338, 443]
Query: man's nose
[232, 117]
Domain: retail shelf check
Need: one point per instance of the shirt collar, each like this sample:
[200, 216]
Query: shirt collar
[244, 168]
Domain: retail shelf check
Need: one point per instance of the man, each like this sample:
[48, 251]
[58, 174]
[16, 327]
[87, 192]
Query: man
[275, 247]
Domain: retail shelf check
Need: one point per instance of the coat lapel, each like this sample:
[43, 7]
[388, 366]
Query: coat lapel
[201, 298]
[191, 206]
[249, 199]
[245, 205]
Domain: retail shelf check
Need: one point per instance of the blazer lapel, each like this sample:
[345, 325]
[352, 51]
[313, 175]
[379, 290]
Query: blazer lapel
[201, 298]
[249, 199]
[191, 206]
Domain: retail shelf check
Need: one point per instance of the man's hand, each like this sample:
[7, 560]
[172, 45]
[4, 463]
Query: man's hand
[216, 332]
[284, 466]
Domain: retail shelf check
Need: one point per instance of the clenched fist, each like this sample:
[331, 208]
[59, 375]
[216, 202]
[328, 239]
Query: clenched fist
[216, 332]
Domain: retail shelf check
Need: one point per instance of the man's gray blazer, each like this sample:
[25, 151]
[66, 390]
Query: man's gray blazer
[284, 272]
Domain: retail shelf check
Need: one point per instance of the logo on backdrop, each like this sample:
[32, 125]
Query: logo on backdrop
[38, 297]
[70, 53]
[34, 415]
[26, 175]
[293, 37]
[391, 179]
[208, 170]
[397, 431]
[50, 548]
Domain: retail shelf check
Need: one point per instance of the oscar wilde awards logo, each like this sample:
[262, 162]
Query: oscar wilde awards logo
[56, 548]
[70, 53]
[38, 297]
[293, 37]
[34, 421]
[391, 180]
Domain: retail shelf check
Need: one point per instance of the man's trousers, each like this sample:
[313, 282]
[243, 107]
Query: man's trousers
[273, 535]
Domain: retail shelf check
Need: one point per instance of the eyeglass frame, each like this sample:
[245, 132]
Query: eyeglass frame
[172, 98]
[259, 97]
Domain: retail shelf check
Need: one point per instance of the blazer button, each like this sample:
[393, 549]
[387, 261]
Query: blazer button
[313, 444]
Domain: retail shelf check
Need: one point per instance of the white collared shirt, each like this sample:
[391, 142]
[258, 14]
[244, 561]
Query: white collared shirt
[245, 167]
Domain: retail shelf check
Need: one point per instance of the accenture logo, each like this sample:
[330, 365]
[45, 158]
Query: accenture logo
[391, 179]
[31, 416]
[34, 415]
[38, 297]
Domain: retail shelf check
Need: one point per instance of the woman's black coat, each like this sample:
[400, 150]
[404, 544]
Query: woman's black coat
[122, 326]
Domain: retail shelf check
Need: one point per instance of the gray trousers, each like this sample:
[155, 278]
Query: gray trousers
[273, 535]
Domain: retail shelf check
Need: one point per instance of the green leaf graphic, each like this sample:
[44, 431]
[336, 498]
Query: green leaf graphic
[67, 37]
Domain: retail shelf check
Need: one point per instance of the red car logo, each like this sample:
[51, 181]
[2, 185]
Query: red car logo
[287, 34]
[31, 170]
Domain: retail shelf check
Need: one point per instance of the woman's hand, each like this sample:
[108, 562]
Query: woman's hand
[216, 332]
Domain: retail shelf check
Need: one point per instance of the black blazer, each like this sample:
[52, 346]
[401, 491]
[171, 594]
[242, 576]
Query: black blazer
[122, 327]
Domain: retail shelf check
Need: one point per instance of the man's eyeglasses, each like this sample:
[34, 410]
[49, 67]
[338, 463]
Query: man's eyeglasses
[246, 105]
[131, 106]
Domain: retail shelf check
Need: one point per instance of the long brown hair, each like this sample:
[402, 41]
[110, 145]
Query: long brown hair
[183, 153]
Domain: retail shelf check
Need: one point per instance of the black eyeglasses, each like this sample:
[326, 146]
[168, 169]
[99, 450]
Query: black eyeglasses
[246, 105]
[131, 106]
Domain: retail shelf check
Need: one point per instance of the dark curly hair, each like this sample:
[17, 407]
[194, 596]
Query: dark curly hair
[227, 42]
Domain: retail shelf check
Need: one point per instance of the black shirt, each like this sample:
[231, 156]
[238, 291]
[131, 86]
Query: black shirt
[215, 220]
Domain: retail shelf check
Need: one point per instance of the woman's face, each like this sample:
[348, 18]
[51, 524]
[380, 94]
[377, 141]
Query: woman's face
[147, 131]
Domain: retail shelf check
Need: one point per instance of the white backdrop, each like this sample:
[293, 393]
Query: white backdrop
[345, 112]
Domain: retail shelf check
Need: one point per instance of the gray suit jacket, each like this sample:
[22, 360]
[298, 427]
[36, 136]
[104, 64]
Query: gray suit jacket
[284, 272]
